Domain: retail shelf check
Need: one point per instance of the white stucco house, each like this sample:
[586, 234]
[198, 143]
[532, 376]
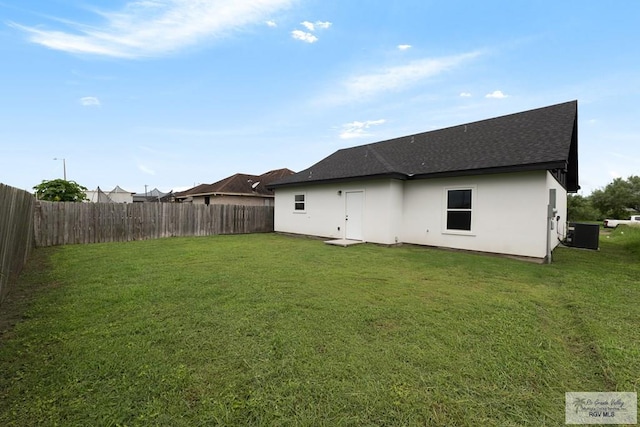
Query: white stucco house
[498, 185]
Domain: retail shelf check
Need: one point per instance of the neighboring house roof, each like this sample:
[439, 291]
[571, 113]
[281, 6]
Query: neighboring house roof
[197, 189]
[154, 195]
[541, 139]
[239, 184]
[100, 196]
[117, 189]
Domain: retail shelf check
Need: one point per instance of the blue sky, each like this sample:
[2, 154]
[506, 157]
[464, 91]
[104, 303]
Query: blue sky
[174, 93]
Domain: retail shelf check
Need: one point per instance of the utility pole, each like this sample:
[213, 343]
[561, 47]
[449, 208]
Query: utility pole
[64, 167]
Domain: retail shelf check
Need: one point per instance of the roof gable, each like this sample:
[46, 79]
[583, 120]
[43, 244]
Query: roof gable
[544, 138]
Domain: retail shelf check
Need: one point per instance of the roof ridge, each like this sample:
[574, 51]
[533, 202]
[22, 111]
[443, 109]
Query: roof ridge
[388, 166]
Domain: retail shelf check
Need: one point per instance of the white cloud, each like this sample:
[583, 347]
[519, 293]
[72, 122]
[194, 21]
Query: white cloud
[155, 27]
[404, 46]
[497, 94]
[318, 25]
[308, 25]
[146, 169]
[323, 25]
[465, 94]
[358, 129]
[90, 101]
[398, 77]
[304, 36]
[311, 27]
[271, 24]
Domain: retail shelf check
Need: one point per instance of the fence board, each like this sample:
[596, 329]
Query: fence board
[63, 223]
[16, 233]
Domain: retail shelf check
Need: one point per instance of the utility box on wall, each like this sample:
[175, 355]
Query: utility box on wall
[581, 235]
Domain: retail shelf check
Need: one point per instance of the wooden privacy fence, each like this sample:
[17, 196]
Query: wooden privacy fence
[16, 233]
[63, 223]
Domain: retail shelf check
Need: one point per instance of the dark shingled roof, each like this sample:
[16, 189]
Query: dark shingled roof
[239, 184]
[541, 139]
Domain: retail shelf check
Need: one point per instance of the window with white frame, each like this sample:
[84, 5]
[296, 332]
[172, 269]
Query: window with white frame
[299, 202]
[459, 209]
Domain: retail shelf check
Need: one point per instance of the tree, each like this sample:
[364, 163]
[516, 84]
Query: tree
[618, 197]
[634, 183]
[580, 208]
[60, 190]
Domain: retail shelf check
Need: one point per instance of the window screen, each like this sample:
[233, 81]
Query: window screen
[459, 209]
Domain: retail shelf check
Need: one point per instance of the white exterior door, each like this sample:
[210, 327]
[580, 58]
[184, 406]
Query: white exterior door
[353, 215]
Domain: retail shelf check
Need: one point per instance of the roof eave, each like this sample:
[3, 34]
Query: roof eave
[393, 175]
[221, 193]
[560, 164]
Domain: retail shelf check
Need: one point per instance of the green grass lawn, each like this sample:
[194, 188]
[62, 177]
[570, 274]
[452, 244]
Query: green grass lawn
[267, 329]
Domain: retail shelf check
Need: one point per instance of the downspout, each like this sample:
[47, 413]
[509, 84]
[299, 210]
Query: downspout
[551, 214]
[547, 258]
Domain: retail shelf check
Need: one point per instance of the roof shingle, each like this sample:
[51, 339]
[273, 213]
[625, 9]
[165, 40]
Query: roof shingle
[544, 138]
